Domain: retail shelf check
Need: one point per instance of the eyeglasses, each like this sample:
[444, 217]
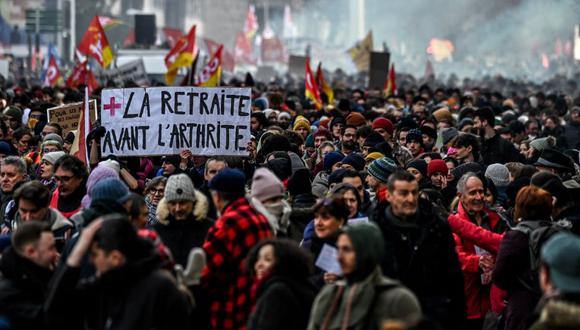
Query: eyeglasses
[157, 191]
[64, 178]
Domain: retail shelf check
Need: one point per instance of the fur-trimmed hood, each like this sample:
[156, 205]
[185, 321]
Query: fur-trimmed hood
[200, 208]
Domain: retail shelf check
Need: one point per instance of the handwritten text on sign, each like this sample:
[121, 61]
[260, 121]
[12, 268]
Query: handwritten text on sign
[165, 120]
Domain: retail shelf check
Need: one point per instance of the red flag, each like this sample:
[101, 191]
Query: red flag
[79, 147]
[181, 55]
[391, 85]
[273, 50]
[311, 90]
[95, 44]
[243, 51]
[52, 75]
[172, 35]
[82, 75]
[228, 62]
[211, 74]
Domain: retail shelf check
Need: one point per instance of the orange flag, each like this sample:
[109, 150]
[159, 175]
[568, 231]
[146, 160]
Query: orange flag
[311, 90]
[211, 74]
[95, 44]
[324, 86]
[181, 55]
[390, 84]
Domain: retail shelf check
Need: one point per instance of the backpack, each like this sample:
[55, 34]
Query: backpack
[538, 233]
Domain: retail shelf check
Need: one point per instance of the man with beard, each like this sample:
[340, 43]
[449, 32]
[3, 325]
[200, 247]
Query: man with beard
[71, 175]
[347, 140]
[494, 149]
[477, 264]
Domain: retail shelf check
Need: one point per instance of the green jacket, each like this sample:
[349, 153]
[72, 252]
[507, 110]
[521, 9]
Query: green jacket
[372, 301]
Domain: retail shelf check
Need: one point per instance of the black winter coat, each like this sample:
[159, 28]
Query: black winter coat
[283, 303]
[23, 289]
[138, 295]
[181, 236]
[301, 215]
[420, 253]
[498, 150]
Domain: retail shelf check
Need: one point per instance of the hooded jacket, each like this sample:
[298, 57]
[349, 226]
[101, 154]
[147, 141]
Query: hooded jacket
[181, 236]
[137, 295]
[365, 298]
[59, 225]
[23, 289]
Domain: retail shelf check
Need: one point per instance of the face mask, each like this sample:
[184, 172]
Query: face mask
[275, 209]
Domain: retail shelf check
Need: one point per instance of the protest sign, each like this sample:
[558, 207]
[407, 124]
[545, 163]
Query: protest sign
[166, 120]
[67, 116]
[327, 260]
[132, 71]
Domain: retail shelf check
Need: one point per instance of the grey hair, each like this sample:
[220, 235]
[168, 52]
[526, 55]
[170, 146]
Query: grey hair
[214, 159]
[17, 162]
[463, 181]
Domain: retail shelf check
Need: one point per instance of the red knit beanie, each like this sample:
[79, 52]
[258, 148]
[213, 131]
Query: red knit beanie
[385, 124]
[437, 166]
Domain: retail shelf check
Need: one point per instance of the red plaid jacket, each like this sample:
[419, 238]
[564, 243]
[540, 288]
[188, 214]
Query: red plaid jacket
[225, 279]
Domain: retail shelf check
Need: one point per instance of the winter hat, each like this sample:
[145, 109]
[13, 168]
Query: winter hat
[552, 184]
[448, 134]
[464, 122]
[355, 160]
[499, 174]
[296, 162]
[380, 169]
[355, 119]
[300, 121]
[373, 139]
[337, 120]
[336, 176]
[309, 142]
[52, 157]
[230, 180]
[266, 185]
[98, 174]
[420, 165]
[374, 156]
[110, 190]
[299, 182]
[561, 255]
[331, 159]
[5, 149]
[172, 159]
[437, 166]
[261, 103]
[51, 143]
[443, 114]
[53, 137]
[179, 188]
[322, 132]
[554, 159]
[430, 132]
[384, 123]
[544, 143]
[460, 170]
[14, 112]
[283, 114]
[112, 164]
[415, 135]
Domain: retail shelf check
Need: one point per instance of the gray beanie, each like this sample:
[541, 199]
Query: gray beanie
[178, 188]
[544, 143]
[499, 174]
[112, 164]
[52, 157]
[53, 137]
[448, 133]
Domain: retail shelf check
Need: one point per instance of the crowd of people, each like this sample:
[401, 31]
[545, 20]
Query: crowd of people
[440, 207]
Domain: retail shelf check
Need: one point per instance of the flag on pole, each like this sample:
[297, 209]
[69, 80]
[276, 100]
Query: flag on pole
[52, 75]
[324, 86]
[181, 55]
[251, 24]
[189, 79]
[361, 53]
[211, 74]
[79, 147]
[172, 35]
[80, 75]
[228, 62]
[390, 85]
[95, 44]
[311, 90]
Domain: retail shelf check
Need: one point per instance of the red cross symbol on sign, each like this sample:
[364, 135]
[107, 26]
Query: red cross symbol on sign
[112, 106]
